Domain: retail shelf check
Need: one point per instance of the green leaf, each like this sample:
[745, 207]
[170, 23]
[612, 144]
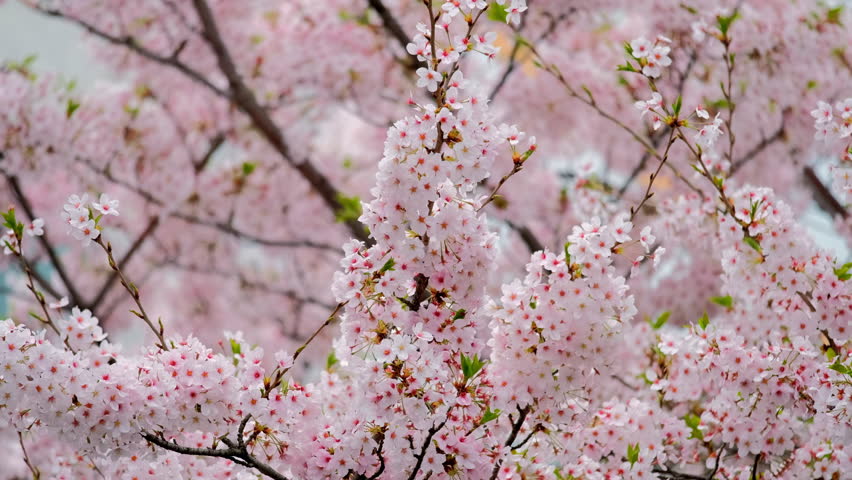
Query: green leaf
[725, 301]
[832, 16]
[248, 168]
[489, 415]
[460, 313]
[497, 12]
[660, 321]
[632, 453]
[626, 67]
[350, 208]
[330, 361]
[753, 243]
[843, 272]
[388, 266]
[236, 349]
[812, 84]
[12, 223]
[347, 162]
[71, 107]
[726, 21]
[678, 103]
[704, 321]
[830, 354]
[628, 49]
[693, 421]
[840, 368]
[471, 365]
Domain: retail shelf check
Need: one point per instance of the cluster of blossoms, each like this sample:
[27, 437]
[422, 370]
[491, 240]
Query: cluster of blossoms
[81, 218]
[652, 57]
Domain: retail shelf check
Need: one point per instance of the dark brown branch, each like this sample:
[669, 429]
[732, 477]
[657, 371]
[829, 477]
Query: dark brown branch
[822, 194]
[130, 43]
[392, 26]
[215, 143]
[33, 469]
[236, 452]
[420, 456]
[516, 427]
[760, 147]
[529, 238]
[421, 292]
[245, 100]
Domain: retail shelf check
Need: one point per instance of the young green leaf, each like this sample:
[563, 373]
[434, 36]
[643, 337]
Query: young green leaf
[632, 453]
[471, 365]
[753, 243]
[388, 266]
[660, 321]
[725, 301]
[704, 321]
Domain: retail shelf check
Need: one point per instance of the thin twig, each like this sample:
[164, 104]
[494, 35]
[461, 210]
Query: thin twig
[426, 443]
[516, 427]
[134, 294]
[131, 252]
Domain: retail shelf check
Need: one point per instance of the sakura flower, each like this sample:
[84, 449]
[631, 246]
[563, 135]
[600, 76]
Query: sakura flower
[844, 108]
[451, 7]
[649, 106]
[283, 360]
[485, 44]
[702, 112]
[660, 55]
[646, 238]
[641, 47]
[708, 134]
[106, 206]
[86, 232]
[62, 302]
[419, 48]
[514, 12]
[420, 334]
[34, 229]
[10, 242]
[823, 113]
[428, 78]
[658, 255]
[620, 228]
[448, 55]
[76, 202]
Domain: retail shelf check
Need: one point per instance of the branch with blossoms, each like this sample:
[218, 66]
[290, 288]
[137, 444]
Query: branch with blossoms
[84, 221]
[13, 243]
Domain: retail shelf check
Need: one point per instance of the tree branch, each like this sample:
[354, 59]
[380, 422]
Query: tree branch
[516, 427]
[420, 456]
[246, 101]
[130, 43]
[122, 264]
[392, 26]
[822, 194]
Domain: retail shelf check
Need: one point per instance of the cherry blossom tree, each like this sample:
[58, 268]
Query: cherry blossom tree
[415, 239]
